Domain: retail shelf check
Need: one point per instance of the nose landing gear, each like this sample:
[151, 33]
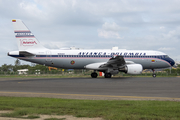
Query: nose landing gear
[154, 74]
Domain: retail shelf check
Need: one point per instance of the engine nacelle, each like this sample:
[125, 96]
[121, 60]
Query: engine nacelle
[133, 69]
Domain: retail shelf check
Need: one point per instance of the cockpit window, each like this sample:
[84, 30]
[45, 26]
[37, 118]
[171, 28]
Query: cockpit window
[166, 56]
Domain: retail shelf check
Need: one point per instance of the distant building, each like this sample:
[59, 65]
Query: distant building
[23, 71]
[37, 72]
[177, 63]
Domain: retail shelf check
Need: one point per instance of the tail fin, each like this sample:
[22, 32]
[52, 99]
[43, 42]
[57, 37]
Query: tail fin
[25, 39]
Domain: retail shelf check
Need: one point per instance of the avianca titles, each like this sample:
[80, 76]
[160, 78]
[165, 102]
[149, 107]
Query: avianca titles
[110, 61]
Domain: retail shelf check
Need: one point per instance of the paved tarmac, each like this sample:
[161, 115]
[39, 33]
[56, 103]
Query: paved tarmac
[135, 88]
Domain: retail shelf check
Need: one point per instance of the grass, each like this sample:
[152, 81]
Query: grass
[109, 110]
[45, 76]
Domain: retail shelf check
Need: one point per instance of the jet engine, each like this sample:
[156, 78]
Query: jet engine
[133, 69]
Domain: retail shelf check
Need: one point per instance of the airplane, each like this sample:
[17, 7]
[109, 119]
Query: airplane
[110, 62]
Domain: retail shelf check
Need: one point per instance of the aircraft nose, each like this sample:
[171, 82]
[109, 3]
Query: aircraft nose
[172, 62]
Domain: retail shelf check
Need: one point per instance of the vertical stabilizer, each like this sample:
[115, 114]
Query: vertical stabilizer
[25, 39]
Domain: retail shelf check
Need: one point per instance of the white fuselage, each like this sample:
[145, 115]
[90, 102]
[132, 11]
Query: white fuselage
[77, 59]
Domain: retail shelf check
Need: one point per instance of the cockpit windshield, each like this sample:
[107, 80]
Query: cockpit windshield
[166, 56]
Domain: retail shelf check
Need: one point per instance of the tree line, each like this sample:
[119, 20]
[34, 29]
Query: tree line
[32, 69]
[12, 69]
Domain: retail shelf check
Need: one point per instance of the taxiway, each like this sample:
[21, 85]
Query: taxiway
[145, 88]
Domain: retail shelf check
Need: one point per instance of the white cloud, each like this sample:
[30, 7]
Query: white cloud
[162, 27]
[111, 27]
[110, 30]
[54, 45]
[166, 49]
[31, 9]
[109, 34]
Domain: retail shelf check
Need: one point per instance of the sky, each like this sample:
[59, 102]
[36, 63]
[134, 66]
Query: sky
[94, 24]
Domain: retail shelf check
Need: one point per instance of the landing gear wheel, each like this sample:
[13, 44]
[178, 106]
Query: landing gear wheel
[107, 75]
[94, 75]
[154, 75]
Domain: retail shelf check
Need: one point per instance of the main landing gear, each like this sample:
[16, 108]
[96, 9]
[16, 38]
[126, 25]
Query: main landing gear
[107, 75]
[154, 74]
[94, 75]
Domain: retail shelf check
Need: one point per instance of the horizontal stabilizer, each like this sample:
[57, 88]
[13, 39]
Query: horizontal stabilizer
[26, 54]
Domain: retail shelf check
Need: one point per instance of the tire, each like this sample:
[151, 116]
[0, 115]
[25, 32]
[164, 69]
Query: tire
[94, 75]
[107, 75]
[154, 75]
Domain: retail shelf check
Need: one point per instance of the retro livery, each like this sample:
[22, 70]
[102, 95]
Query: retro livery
[110, 62]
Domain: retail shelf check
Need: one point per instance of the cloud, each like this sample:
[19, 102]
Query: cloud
[112, 27]
[166, 49]
[31, 9]
[162, 27]
[110, 30]
[128, 24]
[54, 45]
[109, 34]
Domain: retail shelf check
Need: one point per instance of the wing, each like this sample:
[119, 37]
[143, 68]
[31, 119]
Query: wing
[114, 62]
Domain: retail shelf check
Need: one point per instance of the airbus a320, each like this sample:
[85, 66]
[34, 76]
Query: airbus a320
[110, 62]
